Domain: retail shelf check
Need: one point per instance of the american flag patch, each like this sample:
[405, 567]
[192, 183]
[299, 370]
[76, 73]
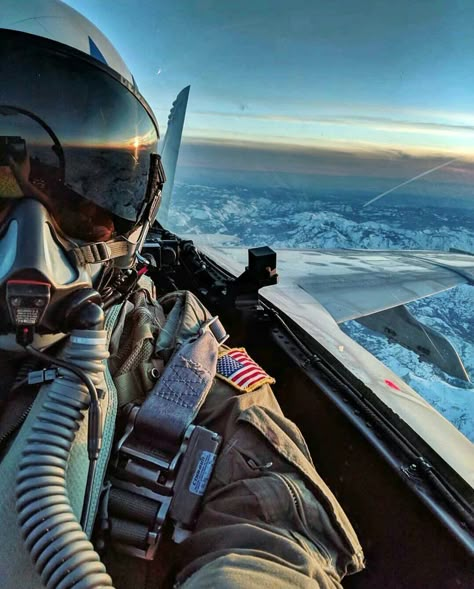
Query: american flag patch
[237, 368]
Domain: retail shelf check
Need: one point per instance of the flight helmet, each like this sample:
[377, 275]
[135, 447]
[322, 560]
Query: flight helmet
[80, 182]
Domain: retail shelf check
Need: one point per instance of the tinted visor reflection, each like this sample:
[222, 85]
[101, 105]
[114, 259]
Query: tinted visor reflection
[72, 135]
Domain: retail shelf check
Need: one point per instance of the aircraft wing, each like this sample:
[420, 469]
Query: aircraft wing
[418, 274]
[355, 283]
[371, 287]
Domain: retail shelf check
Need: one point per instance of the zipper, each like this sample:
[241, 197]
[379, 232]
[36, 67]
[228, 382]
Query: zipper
[7, 435]
[254, 466]
[289, 485]
[292, 489]
[20, 381]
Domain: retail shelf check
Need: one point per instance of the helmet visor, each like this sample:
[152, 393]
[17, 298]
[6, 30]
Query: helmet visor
[73, 135]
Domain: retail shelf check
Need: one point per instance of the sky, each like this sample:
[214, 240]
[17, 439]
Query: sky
[367, 87]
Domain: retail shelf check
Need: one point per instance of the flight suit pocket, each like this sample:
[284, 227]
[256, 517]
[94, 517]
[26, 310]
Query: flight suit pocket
[286, 483]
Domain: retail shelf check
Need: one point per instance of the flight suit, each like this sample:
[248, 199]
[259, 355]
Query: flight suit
[267, 519]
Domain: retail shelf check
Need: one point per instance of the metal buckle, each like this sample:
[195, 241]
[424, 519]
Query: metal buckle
[101, 251]
[216, 328]
[175, 485]
[92, 253]
[141, 466]
[142, 473]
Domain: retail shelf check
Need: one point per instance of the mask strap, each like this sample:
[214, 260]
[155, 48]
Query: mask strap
[102, 251]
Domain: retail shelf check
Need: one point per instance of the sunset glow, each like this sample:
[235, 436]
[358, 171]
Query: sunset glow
[347, 88]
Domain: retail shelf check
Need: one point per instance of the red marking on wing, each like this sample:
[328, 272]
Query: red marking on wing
[392, 385]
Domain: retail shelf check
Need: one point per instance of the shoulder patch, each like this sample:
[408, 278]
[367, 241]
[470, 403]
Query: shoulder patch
[236, 367]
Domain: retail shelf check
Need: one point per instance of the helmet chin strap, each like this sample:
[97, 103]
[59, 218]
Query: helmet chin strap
[103, 251]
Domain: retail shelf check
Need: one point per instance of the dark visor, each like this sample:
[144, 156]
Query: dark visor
[72, 132]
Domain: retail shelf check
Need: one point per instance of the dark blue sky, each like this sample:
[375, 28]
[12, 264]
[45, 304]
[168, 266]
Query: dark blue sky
[369, 79]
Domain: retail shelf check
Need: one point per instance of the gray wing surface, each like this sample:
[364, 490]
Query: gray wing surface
[355, 283]
[372, 287]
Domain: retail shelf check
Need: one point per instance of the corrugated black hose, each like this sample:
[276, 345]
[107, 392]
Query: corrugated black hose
[63, 555]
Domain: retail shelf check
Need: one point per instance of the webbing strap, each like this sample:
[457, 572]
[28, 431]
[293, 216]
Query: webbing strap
[174, 402]
[149, 461]
[93, 253]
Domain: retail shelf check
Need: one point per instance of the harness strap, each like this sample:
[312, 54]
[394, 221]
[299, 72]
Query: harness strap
[164, 463]
[109, 410]
[176, 399]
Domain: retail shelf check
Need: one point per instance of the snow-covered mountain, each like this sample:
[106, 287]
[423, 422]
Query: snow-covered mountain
[450, 313]
[295, 220]
[288, 218]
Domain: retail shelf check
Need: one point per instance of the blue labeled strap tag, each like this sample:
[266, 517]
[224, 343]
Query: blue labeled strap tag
[203, 472]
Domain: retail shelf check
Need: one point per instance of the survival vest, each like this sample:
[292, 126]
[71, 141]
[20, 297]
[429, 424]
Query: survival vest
[142, 335]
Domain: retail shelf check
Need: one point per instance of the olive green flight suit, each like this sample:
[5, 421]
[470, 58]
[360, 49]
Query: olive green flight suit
[268, 519]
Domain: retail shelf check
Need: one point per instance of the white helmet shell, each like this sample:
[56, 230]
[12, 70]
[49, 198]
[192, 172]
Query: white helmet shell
[59, 22]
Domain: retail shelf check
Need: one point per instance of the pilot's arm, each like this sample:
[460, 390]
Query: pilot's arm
[268, 519]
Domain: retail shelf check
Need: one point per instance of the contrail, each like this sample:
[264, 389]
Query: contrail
[408, 182]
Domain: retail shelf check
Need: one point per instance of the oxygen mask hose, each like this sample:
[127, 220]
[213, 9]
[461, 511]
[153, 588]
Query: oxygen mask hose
[56, 541]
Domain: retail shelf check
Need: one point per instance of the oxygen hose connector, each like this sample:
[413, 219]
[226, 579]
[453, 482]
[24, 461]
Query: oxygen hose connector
[56, 541]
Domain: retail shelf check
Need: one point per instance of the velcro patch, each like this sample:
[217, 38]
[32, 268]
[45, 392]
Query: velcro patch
[237, 368]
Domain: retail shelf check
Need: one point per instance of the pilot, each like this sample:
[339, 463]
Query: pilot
[137, 449]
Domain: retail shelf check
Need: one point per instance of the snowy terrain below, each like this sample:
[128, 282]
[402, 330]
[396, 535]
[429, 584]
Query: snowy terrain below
[285, 218]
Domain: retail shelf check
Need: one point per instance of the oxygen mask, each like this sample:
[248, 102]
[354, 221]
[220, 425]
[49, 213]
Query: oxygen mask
[37, 277]
[41, 222]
